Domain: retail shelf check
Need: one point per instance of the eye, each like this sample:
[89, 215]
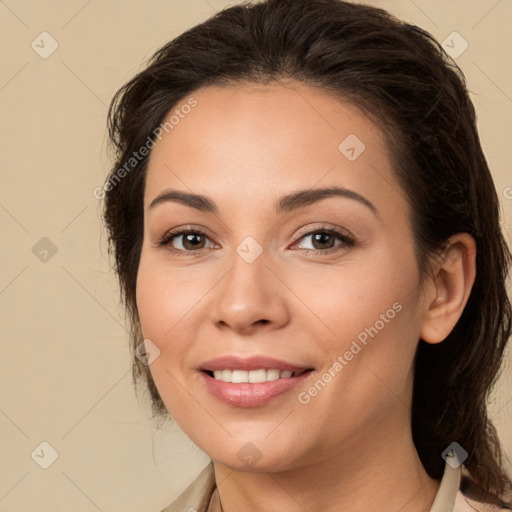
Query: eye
[184, 241]
[323, 240]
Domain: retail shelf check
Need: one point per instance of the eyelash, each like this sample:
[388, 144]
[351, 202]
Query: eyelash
[346, 240]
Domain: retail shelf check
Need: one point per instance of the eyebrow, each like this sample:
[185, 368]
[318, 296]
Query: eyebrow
[284, 204]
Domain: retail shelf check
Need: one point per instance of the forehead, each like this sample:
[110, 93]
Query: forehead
[249, 141]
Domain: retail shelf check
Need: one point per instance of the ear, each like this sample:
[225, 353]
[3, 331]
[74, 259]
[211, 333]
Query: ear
[448, 288]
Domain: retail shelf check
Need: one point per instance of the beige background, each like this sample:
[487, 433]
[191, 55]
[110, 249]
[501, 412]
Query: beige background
[65, 366]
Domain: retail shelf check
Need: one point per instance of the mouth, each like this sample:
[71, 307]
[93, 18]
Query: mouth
[251, 382]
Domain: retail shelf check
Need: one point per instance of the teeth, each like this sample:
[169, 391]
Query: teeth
[257, 376]
[240, 376]
[253, 376]
[273, 374]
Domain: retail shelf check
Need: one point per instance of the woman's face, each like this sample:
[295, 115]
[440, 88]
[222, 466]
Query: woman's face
[278, 278]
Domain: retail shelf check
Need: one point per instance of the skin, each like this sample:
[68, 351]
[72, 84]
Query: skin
[350, 448]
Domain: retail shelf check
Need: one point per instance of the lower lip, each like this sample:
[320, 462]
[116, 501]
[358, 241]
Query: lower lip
[251, 394]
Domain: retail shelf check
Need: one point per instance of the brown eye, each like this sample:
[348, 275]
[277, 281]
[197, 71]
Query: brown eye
[184, 241]
[324, 240]
[192, 241]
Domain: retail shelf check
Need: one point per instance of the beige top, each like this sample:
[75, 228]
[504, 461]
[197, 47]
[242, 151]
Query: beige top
[199, 496]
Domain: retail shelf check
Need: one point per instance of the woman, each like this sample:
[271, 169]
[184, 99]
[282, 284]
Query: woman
[307, 237]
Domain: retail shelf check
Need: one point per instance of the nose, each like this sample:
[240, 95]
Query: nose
[250, 296]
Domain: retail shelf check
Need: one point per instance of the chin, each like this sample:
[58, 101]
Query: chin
[254, 455]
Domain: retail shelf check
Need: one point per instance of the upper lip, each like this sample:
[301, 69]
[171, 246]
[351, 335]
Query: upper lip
[256, 362]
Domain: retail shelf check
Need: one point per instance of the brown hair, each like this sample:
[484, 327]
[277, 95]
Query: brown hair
[400, 77]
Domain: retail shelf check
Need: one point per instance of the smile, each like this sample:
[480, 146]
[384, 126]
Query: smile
[251, 381]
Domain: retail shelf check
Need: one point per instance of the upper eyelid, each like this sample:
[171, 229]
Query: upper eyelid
[335, 230]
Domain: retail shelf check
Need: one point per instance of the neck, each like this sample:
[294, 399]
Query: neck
[384, 474]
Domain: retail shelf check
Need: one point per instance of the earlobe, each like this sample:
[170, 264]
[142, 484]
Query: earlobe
[449, 288]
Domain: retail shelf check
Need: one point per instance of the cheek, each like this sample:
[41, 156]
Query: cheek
[169, 303]
[357, 299]
[160, 306]
[151, 301]
[371, 320]
[165, 296]
[160, 309]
